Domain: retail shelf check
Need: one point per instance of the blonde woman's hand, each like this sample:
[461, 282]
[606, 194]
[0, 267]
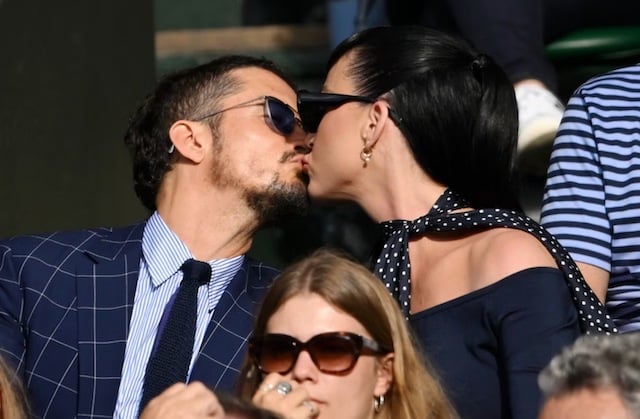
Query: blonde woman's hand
[294, 404]
[184, 401]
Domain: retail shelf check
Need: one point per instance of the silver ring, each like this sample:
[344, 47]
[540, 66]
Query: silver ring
[283, 388]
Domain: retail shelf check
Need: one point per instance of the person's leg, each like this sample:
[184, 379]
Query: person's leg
[512, 32]
[348, 16]
[341, 18]
[372, 13]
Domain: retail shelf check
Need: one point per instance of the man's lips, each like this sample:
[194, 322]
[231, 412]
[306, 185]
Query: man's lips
[297, 160]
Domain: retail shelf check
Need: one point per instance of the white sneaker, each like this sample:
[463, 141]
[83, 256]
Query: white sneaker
[539, 115]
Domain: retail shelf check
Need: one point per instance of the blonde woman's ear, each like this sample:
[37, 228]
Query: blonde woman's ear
[385, 375]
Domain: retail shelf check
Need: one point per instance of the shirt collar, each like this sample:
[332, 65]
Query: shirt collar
[165, 253]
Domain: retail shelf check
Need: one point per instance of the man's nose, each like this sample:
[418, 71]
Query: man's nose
[310, 139]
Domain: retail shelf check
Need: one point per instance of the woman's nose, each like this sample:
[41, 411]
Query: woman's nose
[304, 368]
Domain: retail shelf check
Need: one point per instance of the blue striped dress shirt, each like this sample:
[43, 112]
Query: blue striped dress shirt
[163, 253]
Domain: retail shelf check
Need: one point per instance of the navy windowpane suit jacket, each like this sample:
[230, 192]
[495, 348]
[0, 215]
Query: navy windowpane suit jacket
[65, 307]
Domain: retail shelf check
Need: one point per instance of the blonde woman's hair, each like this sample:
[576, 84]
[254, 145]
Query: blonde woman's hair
[349, 286]
[13, 399]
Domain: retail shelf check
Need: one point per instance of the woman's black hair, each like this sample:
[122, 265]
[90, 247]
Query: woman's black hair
[458, 108]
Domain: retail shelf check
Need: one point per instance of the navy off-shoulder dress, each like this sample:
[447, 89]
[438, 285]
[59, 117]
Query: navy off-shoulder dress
[488, 346]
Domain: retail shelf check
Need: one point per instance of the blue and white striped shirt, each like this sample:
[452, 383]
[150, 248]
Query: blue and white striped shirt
[592, 197]
[163, 253]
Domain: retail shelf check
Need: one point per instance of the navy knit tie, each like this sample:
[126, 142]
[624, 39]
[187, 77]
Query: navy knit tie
[170, 362]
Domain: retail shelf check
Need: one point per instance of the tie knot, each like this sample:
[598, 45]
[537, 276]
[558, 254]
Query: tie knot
[194, 270]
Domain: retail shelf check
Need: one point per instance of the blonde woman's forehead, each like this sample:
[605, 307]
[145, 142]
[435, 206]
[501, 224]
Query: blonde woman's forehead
[306, 315]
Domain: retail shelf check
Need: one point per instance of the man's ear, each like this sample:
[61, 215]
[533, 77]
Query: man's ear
[187, 138]
[385, 375]
[377, 117]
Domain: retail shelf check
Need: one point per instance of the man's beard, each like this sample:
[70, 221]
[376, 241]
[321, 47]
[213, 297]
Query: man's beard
[279, 200]
[273, 203]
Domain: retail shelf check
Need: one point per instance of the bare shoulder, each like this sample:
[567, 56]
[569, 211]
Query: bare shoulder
[500, 252]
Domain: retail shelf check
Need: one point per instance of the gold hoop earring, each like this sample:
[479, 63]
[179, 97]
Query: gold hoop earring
[365, 155]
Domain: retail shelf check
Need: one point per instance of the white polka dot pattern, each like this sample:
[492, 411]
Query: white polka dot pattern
[393, 266]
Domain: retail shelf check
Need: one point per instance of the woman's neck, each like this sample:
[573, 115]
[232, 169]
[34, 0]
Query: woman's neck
[405, 196]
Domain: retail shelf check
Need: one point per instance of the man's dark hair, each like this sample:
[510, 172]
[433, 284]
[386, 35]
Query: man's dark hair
[186, 94]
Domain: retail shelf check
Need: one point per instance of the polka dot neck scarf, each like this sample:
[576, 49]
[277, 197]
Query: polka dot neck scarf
[393, 266]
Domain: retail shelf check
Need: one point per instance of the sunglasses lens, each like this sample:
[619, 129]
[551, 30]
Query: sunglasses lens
[281, 116]
[273, 353]
[333, 354]
[311, 114]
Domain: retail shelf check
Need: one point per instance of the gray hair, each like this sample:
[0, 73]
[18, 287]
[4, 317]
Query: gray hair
[597, 362]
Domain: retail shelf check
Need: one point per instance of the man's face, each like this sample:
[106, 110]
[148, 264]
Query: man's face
[586, 404]
[253, 157]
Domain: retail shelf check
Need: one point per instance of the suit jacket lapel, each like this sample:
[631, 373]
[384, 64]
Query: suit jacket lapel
[224, 347]
[106, 289]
